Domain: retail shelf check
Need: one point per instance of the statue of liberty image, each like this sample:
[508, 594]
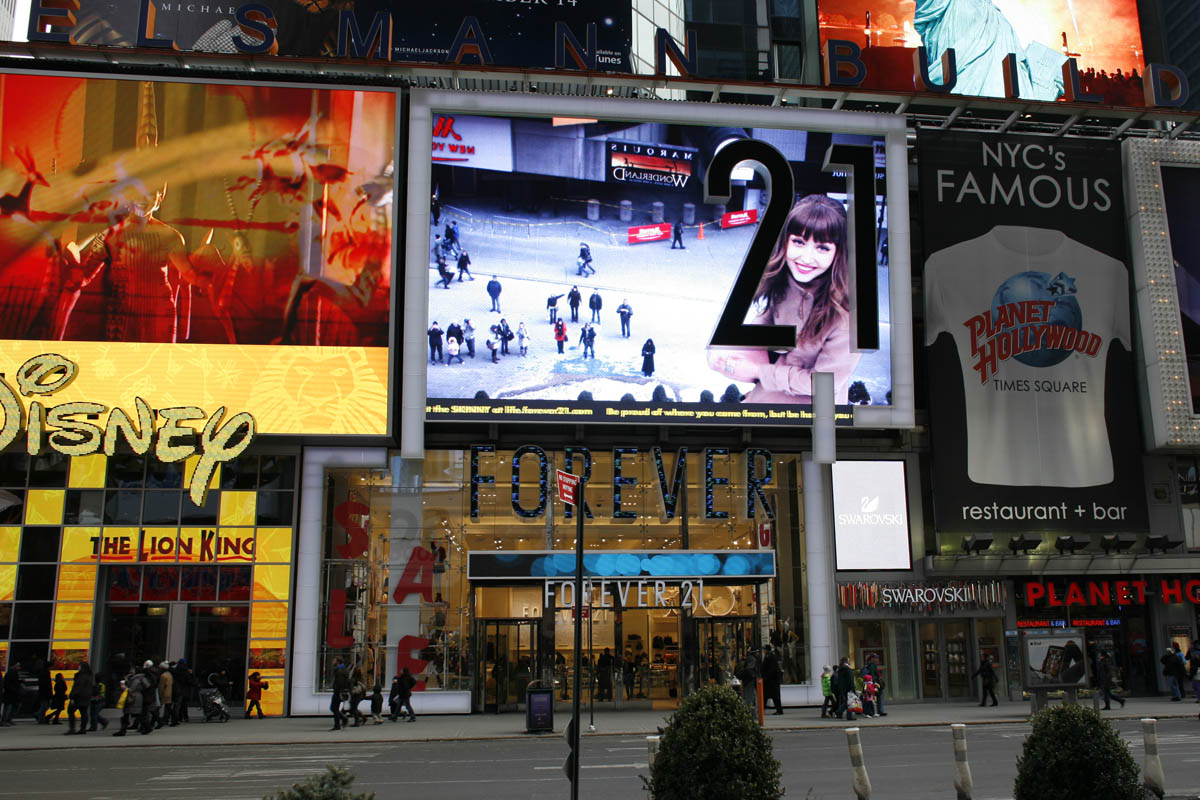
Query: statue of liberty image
[982, 36]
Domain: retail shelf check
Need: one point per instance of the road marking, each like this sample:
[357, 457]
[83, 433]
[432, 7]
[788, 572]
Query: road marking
[635, 765]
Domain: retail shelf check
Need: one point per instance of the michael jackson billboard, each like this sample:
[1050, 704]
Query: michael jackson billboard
[202, 245]
[1031, 388]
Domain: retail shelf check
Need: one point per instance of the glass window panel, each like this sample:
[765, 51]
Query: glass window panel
[198, 583]
[190, 514]
[268, 620]
[274, 508]
[241, 473]
[39, 544]
[83, 507]
[272, 581]
[234, 584]
[73, 621]
[161, 584]
[13, 469]
[32, 620]
[273, 545]
[122, 508]
[8, 582]
[36, 581]
[125, 471]
[6, 610]
[161, 475]
[124, 583]
[12, 506]
[77, 582]
[277, 472]
[49, 470]
[160, 508]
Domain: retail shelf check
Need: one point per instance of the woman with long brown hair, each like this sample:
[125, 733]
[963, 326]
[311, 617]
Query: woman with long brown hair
[806, 285]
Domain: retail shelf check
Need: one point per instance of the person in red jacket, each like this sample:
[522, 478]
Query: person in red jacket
[560, 334]
[254, 690]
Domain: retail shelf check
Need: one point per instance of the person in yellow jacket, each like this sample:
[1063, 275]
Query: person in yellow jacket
[123, 707]
[829, 705]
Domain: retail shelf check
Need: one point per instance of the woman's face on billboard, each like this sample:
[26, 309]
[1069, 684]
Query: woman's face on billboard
[808, 259]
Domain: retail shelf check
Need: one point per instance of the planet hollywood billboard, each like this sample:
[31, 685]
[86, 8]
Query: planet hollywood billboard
[1028, 335]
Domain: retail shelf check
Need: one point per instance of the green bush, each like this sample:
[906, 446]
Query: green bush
[333, 785]
[714, 749]
[1073, 754]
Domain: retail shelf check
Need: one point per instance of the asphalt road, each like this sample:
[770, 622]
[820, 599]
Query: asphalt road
[914, 763]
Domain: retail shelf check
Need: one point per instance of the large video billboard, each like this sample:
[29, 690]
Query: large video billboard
[202, 245]
[1027, 333]
[1103, 36]
[512, 34]
[584, 282]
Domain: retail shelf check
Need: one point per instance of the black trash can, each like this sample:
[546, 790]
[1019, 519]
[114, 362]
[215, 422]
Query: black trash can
[539, 709]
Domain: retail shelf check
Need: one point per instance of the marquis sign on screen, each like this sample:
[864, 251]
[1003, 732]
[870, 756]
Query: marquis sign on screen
[1102, 36]
[558, 292]
[870, 507]
[202, 245]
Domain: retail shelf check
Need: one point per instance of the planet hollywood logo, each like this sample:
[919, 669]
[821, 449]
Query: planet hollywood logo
[1035, 318]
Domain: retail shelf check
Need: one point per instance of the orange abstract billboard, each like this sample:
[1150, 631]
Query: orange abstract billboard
[201, 245]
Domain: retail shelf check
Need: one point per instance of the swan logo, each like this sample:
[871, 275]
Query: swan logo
[869, 505]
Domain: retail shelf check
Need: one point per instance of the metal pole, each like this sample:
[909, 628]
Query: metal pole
[860, 782]
[594, 677]
[964, 787]
[578, 679]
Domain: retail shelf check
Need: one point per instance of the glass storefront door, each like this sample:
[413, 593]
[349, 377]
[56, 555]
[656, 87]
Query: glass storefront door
[722, 644]
[506, 657]
[958, 662]
[946, 664]
[931, 660]
[216, 641]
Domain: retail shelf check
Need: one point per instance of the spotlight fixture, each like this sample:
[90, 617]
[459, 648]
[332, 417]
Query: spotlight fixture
[1023, 543]
[976, 543]
[1113, 542]
[1159, 541]
[1068, 543]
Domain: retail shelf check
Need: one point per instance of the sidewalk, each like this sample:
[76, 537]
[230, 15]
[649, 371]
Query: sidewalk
[316, 730]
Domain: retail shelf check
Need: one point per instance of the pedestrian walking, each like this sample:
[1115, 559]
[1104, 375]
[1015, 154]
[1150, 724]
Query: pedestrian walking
[574, 298]
[584, 261]
[677, 235]
[464, 266]
[628, 675]
[255, 686]
[436, 251]
[843, 685]
[829, 705]
[648, 358]
[552, 307]
[435, 210]
[80, 698]
[12, 693]
[458, 242]
[58, 701]
[123, 707]
[869, 694]
[358, 693]
[493, 290]
[377, 703]
[625, 311]
[444, 272]
[394, 699]
[595, 304]
[523, 338]
[435, 343]
[449, 235]
[871, 668]
[1193, 671]
[1107, 683]
[772, 678]
[987, 681]
[1174, 672]
[560, 334]
[404, 695]
[452, 351]
[185, 684]
[96, 705]
[341, 693]
[469, 337]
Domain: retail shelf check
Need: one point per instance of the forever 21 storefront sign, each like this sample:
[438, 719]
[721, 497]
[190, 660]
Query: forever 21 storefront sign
[73, 430]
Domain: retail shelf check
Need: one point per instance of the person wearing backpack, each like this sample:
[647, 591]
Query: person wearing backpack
[96, 704]
[843, 685]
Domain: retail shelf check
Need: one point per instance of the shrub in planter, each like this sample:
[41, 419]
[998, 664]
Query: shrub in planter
[1073, 754]
[333, 785]
[713, 748]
